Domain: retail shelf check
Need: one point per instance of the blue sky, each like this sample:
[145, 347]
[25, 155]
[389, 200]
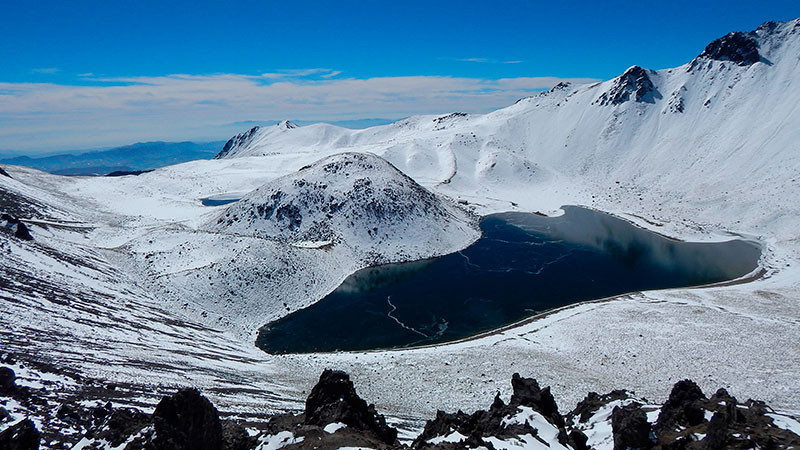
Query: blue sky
[84, 74]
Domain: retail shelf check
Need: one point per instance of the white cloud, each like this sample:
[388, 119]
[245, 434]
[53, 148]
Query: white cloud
[182, 106]
[475, 60]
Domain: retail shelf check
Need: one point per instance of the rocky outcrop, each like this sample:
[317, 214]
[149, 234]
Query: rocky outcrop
[4, 173]
[531, 411]
[593, 401]
[684, 418]
[20, 436]
[740, 48]
[334, 400]
[187, 421]
[634, 82]
[20, 230]
[335, 417]
[684, 407]
[630, 428]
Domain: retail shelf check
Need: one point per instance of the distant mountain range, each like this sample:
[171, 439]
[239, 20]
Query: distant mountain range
[130, 158]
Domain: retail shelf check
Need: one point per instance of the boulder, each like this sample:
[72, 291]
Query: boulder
[7, 378]
[187, 421]
[334, 399]
[684, 408]
[20, 436]
[630, 427]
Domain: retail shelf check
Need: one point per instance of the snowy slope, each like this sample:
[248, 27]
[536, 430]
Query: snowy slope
[702, 151]
[728, 126]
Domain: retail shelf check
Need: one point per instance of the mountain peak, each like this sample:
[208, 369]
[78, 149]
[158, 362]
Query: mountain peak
[634, 81]
[287, 125]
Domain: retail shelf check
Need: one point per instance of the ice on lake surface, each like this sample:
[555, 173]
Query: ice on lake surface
[523, 264]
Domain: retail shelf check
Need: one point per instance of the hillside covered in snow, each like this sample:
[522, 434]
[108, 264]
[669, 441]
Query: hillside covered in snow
[141, 282]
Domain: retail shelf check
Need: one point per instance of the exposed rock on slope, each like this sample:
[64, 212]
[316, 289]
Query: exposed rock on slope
[634, 82]
[12, 223]
[738, 47]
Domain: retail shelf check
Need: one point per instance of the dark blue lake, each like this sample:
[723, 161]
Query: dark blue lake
[523, 264]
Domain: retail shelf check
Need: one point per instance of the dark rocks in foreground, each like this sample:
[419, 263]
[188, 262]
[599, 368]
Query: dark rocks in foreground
[334, 400]
[20, 436]
[335, 416]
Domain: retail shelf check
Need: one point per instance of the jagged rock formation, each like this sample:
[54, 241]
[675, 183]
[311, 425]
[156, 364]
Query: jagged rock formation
[633, 82]
[593, 401]
[335, 417]
[630, 427]
[532, 411]
[737, 47]
[334, 400]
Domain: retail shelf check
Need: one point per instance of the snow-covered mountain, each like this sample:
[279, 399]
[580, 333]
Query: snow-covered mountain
[133, 279]
[726, 120]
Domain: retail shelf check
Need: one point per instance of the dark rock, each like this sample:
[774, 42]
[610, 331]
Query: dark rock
[717, 430]
[635, 81]
[737, 47]
[334, 399]
[684, 407]
[630, 427]
[563, 85]
[70, 414]
[22, 436]
[579, 440]
[7, 378]
[3, 414]
[235, 437]
[480, 424]
[187, 421]
[593, 401]
[446, 423]
[115, 426]
[23, 232]
[528, 393]
[4, 173]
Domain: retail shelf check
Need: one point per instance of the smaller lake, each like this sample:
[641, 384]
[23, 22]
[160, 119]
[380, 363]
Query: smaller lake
[522, 264]
[221, 199]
